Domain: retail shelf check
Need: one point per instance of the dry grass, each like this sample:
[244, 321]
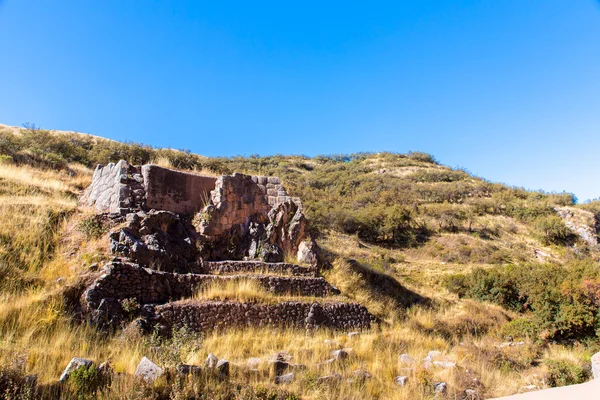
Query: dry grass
[40, 241]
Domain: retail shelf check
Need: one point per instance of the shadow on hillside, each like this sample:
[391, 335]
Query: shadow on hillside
[386, 286]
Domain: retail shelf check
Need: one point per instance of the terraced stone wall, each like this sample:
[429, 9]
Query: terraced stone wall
[123, 280]
[217, 314]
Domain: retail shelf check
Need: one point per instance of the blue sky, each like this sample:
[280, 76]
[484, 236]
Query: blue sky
[509, 90]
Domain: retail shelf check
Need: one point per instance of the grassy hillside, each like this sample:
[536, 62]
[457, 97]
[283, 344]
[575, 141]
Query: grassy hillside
[446, 260]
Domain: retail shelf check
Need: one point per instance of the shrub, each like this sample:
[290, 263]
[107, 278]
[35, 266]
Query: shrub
[523, 327]
[92, 226]
[563, 373]
[85, 381]
[553, 230]
[562, 299]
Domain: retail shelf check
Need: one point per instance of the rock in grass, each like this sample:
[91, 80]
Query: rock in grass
[148, 371]
[287, 378]
[444, 364]
[330, 379]
[406, 359]
[340, 355]
[211, 361]
[223, 369]
[440, 387]
[73, 366]
[401, 380]
[433, 354]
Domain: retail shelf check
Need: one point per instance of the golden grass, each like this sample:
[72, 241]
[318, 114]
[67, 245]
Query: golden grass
[41, 242]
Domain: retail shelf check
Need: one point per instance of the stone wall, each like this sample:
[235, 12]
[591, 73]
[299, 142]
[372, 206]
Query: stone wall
[230, 267]
[123, 280]
[176, 191]
[219, 315]
[116, 188]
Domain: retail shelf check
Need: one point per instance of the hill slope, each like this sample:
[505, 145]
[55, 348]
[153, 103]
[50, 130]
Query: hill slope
[390, 225]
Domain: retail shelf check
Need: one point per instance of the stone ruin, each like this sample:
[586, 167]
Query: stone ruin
[175, 232]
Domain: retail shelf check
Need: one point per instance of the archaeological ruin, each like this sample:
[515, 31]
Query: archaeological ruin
[174, 233]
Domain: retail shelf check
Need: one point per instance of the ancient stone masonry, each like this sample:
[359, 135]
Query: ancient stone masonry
[177, 232]
[116, 188]
[219, 315]
[231, 267]
[124, 280]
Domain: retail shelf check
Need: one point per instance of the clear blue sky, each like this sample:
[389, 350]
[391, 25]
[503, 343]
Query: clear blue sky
[508, 89]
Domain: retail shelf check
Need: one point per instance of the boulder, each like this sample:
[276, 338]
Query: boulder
[287, 378]
[440, 387]
[330, 379]
[74, 365]
[148, 371]
[401, 380]
[340, 355]
[223, 369]
[211, 361]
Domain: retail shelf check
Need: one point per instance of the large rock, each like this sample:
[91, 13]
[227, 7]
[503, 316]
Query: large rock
[156, 238]
[148, 371]
[74, 365]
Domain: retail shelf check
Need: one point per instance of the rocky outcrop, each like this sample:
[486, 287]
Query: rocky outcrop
[158, 239]
[236, 216]
[582, 222]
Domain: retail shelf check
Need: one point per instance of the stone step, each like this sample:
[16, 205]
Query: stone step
[206, 315]
[124, 280]
[235, 266]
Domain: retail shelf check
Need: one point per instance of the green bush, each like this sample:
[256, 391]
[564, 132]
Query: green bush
[562, 301]
[563, 373]
[84, 382]
[553, 230]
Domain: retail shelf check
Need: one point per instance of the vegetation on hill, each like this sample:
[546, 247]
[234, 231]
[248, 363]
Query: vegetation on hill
[446, 260]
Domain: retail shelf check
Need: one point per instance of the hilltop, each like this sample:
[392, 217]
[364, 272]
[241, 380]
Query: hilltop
[507, 279]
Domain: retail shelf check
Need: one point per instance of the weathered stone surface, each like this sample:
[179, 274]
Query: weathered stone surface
[176, 191]
[207, 315]
[251, 266]
[115, 188]
[223, 369]
[340, 355]
[440, 387]
[161, 239]
[123, 280]
[581, 222]
[73, 366]
[211, 361]
[287, 378]
[148, 371]
[401, 380]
